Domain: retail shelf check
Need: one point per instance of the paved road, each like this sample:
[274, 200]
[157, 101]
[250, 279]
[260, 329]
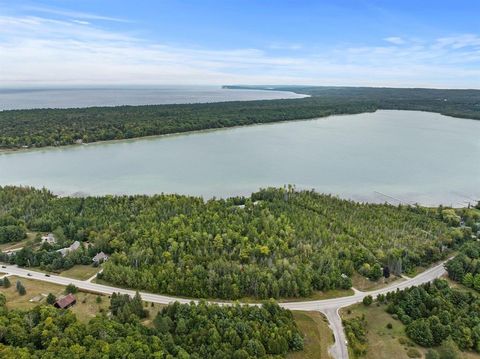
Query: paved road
[330, 307]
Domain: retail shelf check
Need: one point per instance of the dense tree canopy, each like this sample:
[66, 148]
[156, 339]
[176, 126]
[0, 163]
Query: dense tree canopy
[465, 267]
[56, 127]
[435, 312]
[278, 243]
[181, 331]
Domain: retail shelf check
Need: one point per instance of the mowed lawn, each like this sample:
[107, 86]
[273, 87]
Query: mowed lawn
[80, 271]
[317, 335]
[382, 342]
[85, 308]
[318, 295]
[364, 284]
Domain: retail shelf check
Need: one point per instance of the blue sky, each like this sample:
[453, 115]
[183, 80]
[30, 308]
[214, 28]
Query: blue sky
[359, 42]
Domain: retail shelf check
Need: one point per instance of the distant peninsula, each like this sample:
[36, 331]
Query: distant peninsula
[20, 129]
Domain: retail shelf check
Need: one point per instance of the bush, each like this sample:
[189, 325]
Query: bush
[419, 331]
[389, 326]
[71, 288]
[51, 299]
[6, 282]
[413, 353]
[432, 354]
[20, 288]
[368, 300]
[448, 350]
[98, 299]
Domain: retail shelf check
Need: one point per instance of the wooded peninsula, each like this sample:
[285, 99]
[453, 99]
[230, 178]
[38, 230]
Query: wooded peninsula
[58, 127]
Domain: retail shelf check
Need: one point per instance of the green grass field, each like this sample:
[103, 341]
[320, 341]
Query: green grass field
[382, 342]
[86, 306]
[364, 284]
[82, 272]
[317, 335]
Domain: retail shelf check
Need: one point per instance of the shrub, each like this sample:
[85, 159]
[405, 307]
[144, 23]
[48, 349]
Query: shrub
[6, 282]
[368, 300]
[413, 353]
[389, 326]
[432, 354]
[71, 288]
[20, 288]
[51, 299]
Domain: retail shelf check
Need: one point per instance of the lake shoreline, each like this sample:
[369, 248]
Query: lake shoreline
[173, 134]
[4, 151]
[385, 156]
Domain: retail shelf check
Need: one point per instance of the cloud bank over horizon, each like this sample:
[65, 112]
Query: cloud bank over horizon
[42, 46]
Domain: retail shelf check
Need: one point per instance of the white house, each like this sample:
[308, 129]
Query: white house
[64, 251]
[49, 238]
[100, 258]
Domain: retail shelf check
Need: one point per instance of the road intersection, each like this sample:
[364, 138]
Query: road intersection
[329, 307]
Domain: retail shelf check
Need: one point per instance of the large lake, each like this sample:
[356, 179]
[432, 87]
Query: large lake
[388, 156]
[11, 99]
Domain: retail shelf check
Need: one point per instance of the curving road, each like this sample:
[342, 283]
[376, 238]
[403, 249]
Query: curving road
[329, 307]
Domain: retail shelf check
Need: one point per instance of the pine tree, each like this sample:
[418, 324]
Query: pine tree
[468, 280]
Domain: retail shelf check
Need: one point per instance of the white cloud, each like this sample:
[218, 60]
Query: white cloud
[395, 40]
[459, 41]
[43, 50]
[81, 22]
[72, 14]
[285, 46]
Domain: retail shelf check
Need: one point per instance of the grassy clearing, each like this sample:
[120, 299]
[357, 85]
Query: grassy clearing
[335, 293]
[85, 309]
[34, 289]
[364, 284]
[317, 334]
[29, 241]
[82, 272]
[86, 306]
[382, 342]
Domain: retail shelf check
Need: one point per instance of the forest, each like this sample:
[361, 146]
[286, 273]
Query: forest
[194, 331]
[278, 243]
[435, 313]
[57, 127]
[441, 315]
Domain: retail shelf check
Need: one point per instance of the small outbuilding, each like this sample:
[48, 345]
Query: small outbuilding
[49, 238]
[66, 301]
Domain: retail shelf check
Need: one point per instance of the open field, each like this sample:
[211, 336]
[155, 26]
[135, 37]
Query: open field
[382, 342]
[85, 309]
[15, 245]
[79, 271]
[34, 289]
[317, 334]
[364, 284]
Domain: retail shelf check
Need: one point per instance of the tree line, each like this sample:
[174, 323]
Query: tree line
[186, 331]
[279, 242]
[57, 127]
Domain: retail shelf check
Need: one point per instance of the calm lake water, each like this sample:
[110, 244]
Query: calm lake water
[115, 96]
[384, 156]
